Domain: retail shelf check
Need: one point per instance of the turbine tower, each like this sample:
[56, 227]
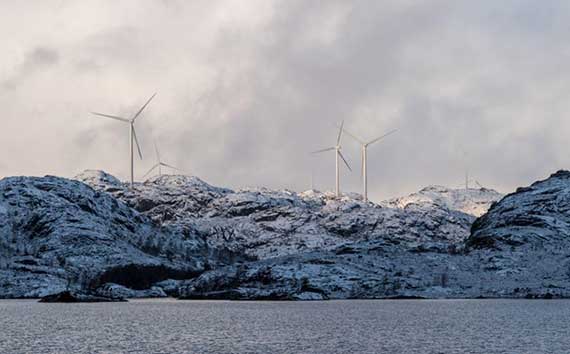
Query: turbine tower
[338, 155]
[363, 158]
[132, 134]
[466, 164]
[159, 164]
[468, 183]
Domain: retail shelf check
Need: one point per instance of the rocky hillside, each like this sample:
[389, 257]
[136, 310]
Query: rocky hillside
[537, 215]
[262, 223]
[335, 247]
[520, 247]
[181, 235]
[56, 233]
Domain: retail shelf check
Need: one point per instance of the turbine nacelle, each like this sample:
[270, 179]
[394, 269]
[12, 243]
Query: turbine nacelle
[365, 144]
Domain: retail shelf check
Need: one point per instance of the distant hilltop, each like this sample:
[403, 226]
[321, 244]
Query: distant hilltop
[473, 201]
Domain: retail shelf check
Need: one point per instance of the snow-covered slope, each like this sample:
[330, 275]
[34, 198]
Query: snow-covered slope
[342, 247]
[518, 249]
[262, 223]
[470, 201]
[257, 243]
[55, 231]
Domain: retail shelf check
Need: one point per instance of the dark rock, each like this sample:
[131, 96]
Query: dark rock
[212, 295]
[405, 297]
[73, 297]
[533, 215]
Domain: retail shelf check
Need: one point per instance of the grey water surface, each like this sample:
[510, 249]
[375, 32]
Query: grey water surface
[349, 326]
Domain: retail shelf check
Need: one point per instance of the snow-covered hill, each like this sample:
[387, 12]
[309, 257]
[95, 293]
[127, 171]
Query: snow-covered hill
[56, 232]
[342, 244]
[470, 201]
[264, 223]
[538, 215]
[182, 235]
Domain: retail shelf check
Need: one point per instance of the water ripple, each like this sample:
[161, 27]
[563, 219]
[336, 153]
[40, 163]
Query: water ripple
[333, 327]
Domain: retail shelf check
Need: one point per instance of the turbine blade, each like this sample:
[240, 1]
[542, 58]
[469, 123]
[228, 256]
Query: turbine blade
[149, 171]
[323, 150]
[381, 137]
[353, 136]
[142, 108]
[340, 133]
[170, 166]
[110, 116]
[137, 142]
[345, 162]
[156, 150]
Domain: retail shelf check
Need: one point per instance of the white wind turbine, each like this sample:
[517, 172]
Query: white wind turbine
[364, 158]
[159, 164]
[338, 155]
[132, 134]
[467, 177]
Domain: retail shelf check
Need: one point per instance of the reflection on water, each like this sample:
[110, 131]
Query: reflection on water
[171, 326]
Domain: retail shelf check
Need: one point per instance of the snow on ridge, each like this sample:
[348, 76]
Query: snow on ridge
[193, 194]
[472, 201]
[98, 176]
[265, 223]
[558, 179]
[180, 181]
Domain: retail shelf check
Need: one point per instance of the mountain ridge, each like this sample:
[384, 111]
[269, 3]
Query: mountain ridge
[194, 240]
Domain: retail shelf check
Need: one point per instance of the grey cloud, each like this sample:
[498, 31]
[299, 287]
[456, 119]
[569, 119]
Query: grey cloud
[36, 60]
[245, 93]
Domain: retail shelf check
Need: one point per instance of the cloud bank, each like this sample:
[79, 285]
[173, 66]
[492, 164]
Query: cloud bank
[246, 89]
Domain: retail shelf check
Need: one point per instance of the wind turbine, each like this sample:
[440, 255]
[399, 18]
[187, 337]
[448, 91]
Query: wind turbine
[467, 178]
[467, 183]
[132, 134]
[338, 156]
[364, 148]
[159, 164]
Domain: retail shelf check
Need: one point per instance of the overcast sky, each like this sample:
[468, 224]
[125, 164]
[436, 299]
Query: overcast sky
[246, 89]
